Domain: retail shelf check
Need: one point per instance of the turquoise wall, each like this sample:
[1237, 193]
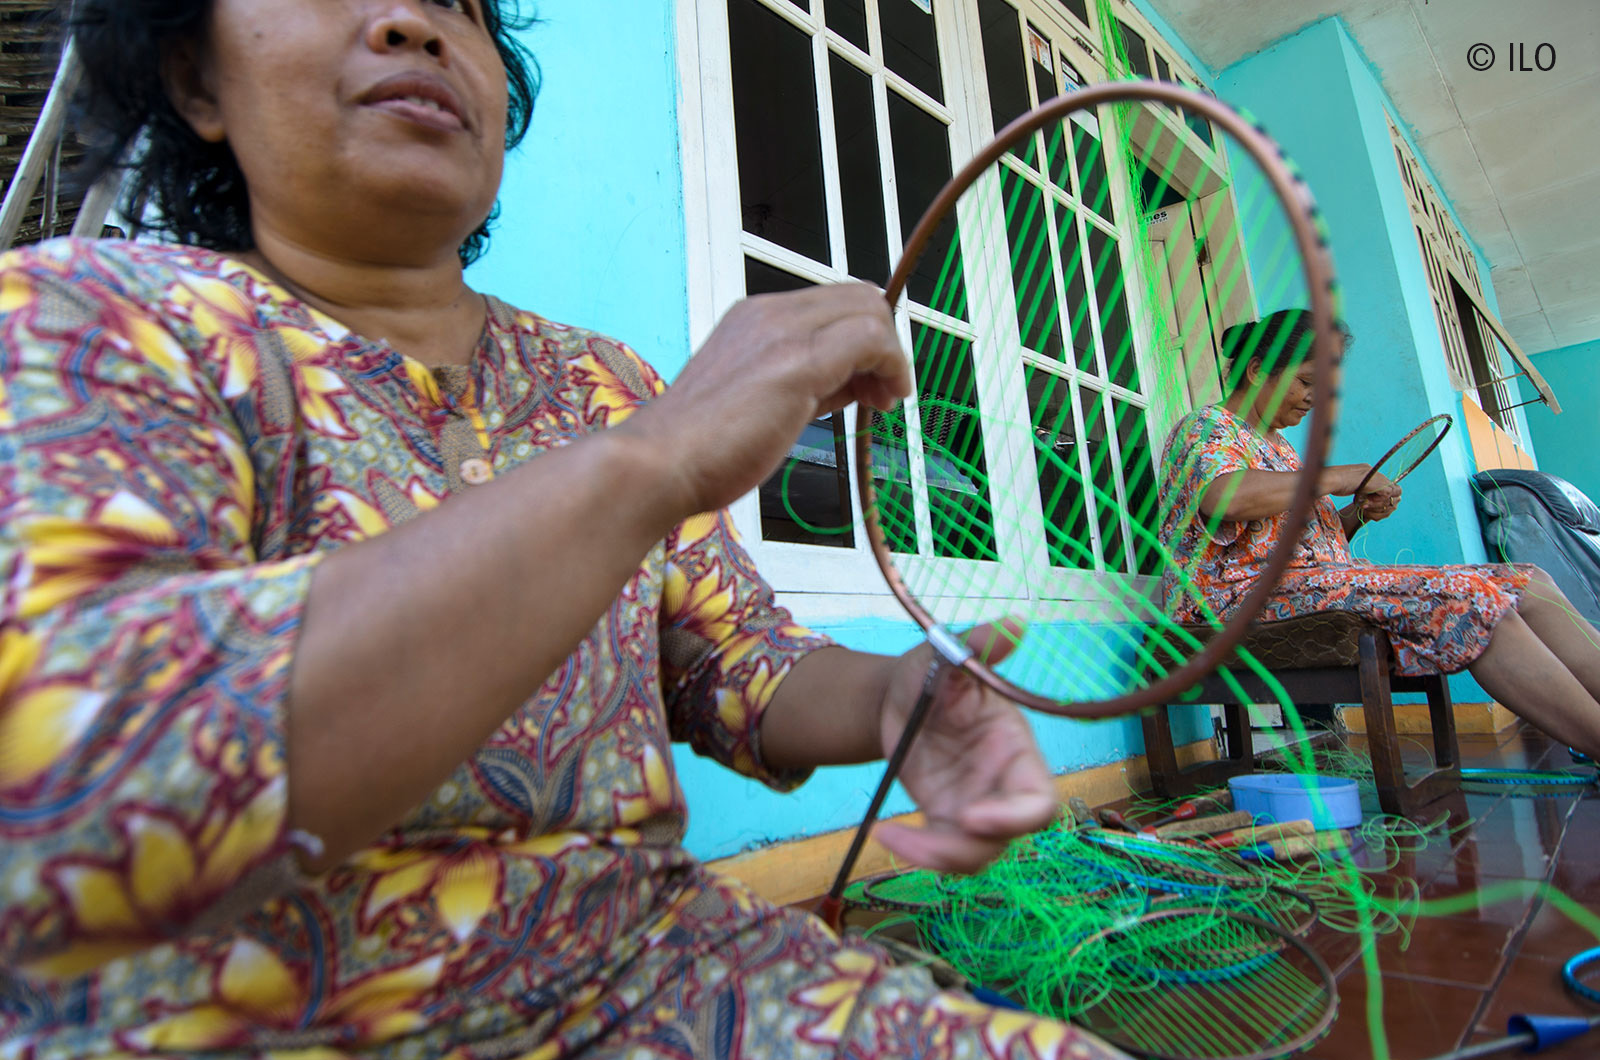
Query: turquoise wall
[592, 224]
[1334, 126]
[747, 815]
[1567, 442]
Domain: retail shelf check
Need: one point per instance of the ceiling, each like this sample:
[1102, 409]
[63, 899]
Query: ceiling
[1516, 153]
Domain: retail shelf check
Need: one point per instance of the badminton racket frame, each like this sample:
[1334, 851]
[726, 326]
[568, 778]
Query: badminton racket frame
[1445, 417]
[1326, 349]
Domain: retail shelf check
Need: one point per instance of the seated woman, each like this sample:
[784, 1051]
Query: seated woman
[1228, 478]
[349, 614]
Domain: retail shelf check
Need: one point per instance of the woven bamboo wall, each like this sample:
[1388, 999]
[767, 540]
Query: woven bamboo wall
[30, 46]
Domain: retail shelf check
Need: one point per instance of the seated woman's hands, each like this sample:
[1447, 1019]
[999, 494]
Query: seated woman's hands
[1378, 499]
[974, 769]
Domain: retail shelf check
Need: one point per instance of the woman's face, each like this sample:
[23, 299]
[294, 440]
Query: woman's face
[1285, 399]
[367, 124]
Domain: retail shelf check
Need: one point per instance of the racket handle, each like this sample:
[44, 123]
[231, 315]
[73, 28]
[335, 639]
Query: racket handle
[1116, 820]
[1190, 810]
[830, 910]
[1082, 816]
[1222, 822]
[1266, 833]
[1298, 846]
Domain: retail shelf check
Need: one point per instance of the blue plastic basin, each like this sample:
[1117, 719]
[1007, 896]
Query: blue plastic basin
[1291, 797]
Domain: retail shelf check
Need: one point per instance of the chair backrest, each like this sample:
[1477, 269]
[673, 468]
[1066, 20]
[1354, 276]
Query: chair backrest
[1535, 517]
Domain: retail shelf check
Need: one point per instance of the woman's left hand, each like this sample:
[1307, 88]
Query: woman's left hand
[974, 768]
[1378, 504]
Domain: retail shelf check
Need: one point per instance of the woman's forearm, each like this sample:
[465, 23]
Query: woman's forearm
[827, 711]
[1241, 496]
[417, 644]
[1350, 519]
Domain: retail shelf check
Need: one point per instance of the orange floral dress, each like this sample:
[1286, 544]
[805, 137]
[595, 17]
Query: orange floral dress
[181, 441]
[1439, 618]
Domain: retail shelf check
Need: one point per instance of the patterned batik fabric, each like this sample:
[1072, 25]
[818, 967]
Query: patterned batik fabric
[1439, 618]
[180, 442]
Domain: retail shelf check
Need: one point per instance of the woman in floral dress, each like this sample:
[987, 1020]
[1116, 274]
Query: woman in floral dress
[1228, 478]
[349, 614]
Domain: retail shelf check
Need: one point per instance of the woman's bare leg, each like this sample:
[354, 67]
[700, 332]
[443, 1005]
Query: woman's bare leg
[1521, 671]
[1568, 634]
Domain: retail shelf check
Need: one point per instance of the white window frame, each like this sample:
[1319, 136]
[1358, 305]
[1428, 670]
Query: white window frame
[717, 246]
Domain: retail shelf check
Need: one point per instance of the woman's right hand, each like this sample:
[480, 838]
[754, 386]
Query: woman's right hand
[774, 363]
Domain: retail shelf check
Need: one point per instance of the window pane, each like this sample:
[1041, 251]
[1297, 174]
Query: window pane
[1139, 480]
[779, 139]
[1003, 61]
[1163, 70]
[952, 446]
[860, 174]
[910, 45]
[807, 500]
[1156, 190]
[1062, 498]
[1138, 54]
[1095, 188]
[922, 166]
[1108, 289]
[1102, 472]
[1073, 267]
[1033, 278]
[848, 18]
[1078, 8]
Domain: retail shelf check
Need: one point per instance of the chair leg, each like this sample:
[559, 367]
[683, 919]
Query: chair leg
[1383, 740]
[1237, 729]
[1395, 795]
[1446, 752]
[1160, 755]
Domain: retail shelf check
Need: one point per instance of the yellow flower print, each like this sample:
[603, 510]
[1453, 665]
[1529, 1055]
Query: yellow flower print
[425, 499]
[16, 291]
[129, 327]
[366, 517]
[257, 990]
[41, 727]
[659, 790]
[1005, 1029]
[316, 388]
[705, 605]
[836, 998]
[423, 379]
[64, 558]
[241, 366]
[695, 530]
[213, 305]
[464, 886]
[610, 400]
[117, 911]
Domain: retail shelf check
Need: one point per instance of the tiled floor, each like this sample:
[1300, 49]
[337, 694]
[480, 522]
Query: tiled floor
[1500, 950]
[1463, 974]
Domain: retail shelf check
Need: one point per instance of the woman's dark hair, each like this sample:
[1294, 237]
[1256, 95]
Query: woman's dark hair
[195, 188]
[1276, 343]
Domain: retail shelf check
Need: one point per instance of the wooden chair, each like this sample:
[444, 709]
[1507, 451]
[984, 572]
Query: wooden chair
[1325, 658]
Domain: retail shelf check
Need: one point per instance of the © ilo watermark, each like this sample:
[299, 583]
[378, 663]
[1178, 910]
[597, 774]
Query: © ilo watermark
[1519, 57]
